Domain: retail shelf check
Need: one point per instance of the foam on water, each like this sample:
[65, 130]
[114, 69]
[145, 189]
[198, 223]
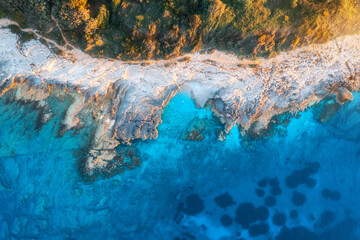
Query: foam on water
[42, 195]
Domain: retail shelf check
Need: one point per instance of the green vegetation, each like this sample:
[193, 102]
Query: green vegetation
[148, 29]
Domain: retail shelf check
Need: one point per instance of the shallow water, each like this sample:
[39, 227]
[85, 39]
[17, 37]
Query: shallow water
[301, 183]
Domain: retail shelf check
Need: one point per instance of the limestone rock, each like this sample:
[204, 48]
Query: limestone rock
[343, 95]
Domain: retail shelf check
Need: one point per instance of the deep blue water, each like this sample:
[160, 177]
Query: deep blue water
[302, 183]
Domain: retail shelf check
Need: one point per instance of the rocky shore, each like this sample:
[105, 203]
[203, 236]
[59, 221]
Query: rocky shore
[126, 99]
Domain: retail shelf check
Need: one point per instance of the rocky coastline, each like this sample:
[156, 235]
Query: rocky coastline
[126, 99]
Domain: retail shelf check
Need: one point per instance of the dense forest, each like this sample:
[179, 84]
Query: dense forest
[152, 29]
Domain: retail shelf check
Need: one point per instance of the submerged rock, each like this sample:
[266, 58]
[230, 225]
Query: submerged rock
[263, 182]
[194, 205]
[108, 163]
[270, 201]
[274, 182]
[221, 135]
[224, 200]
[302, 176]
[195, 130]
[247, 213]
[326, 109]
[343, 95]
[259, 192]
[298, 199]
[262, 213]
[226, 220]
[326, 218]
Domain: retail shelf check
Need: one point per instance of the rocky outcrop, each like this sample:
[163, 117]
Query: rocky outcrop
[343, 95]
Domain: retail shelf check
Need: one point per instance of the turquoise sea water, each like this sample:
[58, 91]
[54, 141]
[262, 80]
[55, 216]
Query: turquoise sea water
[302, 183]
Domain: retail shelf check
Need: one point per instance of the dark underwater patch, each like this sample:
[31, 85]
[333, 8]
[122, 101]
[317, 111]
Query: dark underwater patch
[326, 109]
[326, 218]
[275, 188]
[259, 192]
[226, 220]
[194, 205]
[256, 230]
[331, 194]
[224, 200]
[299, 177]
[262, 213]
[270, 201]
[247, 213]
[274, 182]
[298, 199]
[263, 183]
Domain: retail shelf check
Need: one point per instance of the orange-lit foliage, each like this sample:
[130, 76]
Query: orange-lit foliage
[144, 29]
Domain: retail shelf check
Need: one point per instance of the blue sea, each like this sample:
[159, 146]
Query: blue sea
[301, 182]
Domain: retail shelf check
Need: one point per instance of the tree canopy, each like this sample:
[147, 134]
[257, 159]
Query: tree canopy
[150, 29]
